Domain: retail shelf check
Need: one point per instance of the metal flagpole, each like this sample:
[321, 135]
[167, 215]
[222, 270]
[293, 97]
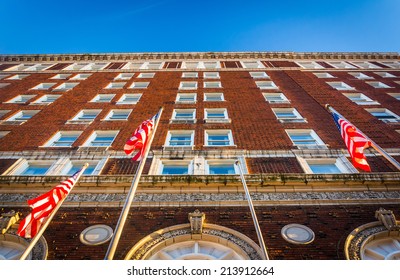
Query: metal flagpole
[49, 218]
[131, 194]
[373, 144]
[253, 213]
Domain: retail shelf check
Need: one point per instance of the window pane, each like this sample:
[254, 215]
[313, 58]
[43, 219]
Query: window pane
[36, 170]
[89, 170]
[222, 169]
[175, 169]
[218, 140]
[180, 140]
[324, 168]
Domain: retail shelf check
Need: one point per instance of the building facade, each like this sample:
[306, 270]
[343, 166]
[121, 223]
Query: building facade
[263, 113]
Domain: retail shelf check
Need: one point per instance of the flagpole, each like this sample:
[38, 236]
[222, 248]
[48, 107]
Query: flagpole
[49, 219]
[131, 194]
[373, 144]
[253, 213]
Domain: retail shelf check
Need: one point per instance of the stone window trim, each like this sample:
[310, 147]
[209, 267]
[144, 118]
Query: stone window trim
[340, 162]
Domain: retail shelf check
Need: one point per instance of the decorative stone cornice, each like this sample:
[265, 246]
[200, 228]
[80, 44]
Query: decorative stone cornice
[178, 56]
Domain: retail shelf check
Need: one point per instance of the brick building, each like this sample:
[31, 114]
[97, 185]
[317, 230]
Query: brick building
[264, 111]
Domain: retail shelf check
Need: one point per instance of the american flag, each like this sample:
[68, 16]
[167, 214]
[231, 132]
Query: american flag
[355, 142]
[137, 143]
[43, 205]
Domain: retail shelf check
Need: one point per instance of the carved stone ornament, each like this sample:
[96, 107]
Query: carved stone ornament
[7, 220]
[196, 220]
[387, 218]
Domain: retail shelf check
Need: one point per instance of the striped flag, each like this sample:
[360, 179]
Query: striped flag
[355, 142]
[136, 145]
[43, 205]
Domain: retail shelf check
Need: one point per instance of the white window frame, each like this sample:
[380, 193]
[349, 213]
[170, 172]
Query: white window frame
[324, 75]
[259, 75]
[385, 75]
[146, 75]
[21, 99]
[266, 85]
[153, 65]
[297, 117]
[43, 86]
[181, 94]
[392, 64]
[251, 64]
[227, 132]
[59, 134]
[208, 95]
[24, 164]
[395, 119]
[115, 85]
[190, 74]
[16, 118]
[340, 86]
[212, 84]
[319, 144]
[360, 76]
[276, 95]
[365, 64]
[360, 99]
[216, 162]
[341, 163]
[211, 75]
[98, 98]
[65, 86]
[80, 76]
[163, 163]
[18, 77]
[123, 98]
[210, 64]
[94, 134]
[395, 95]
[44, 99]
[133, 65]
[61, 76]
[192, 119]
[171, 133]
[71, 163]
[376, 84]
[341, 65]
[78, 116]
[188, 85]
[224, 119]
[124, 76]
[110, 114]
[139, 85]
[309, 65]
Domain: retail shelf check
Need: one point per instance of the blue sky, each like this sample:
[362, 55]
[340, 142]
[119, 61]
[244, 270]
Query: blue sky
[79, 26]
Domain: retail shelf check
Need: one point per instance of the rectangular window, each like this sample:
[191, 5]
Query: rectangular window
[215, 115]
[286, 115]
[324, 75]
[183, 116]
[340, 86]
[63, 139]
[360, 76]
[384, 115]
[139, 85]
[266, 85]
[275, 97]
[212, 85]
[365, 64]
[35, 168]
[65, 86]
[175, 167]
[133, 65]
[180, 138]
[211, 64]
[146, 75]
[43, 86]
[191, 65]
[85, 116]
[218, 138]
[21, 99]
[75, 165]
[211, 75]
[341, 64]
[124, 76]
[129, 98]
[214, 96]
[252, 64]
[259, 75]
[395, 95]
[21, 117]
[309, 64]
[360, 99]
[118, 115]
[61, 76]
[190, 75]
[81, 76]
[18, 77]
[152, 65]
[327, 166]
[46, 99]
[221, 167]
[101, 138]
[392, 64]
[187, 98]
[115, 85]
[385, 75]
[103, 98]
[188, 85]
[305, 138]
[378, 85]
